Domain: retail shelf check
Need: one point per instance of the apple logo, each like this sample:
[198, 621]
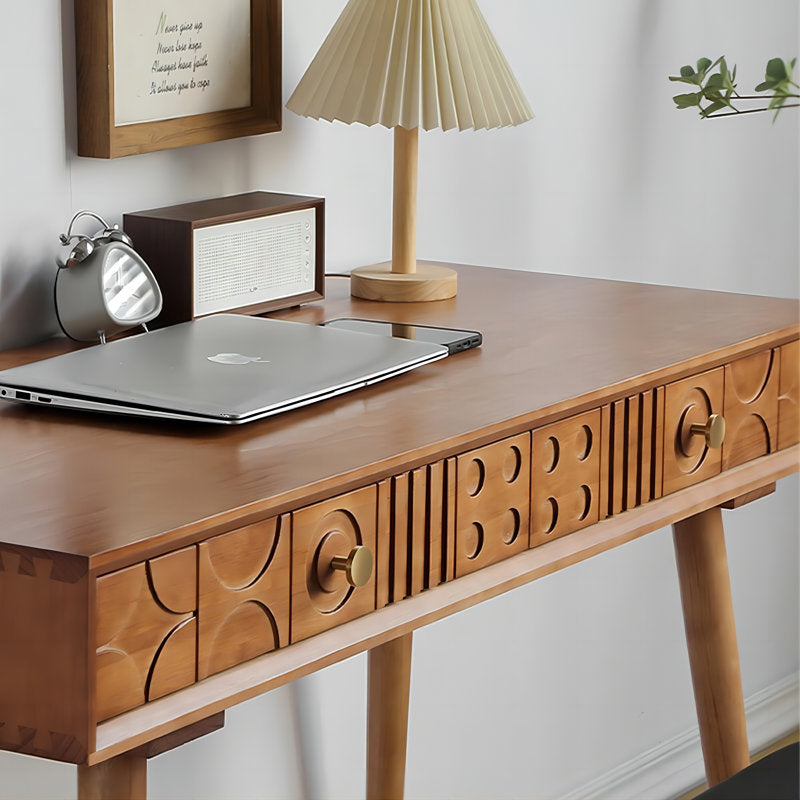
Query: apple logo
[237, 358]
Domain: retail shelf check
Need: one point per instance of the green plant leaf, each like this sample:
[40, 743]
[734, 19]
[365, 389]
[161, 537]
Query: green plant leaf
[715, 106]
[692, 81]
[727, 77]
[776, 70]
[687, 100]
[703, 64]
[687, 71]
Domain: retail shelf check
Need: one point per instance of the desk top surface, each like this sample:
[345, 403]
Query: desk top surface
[117, 489]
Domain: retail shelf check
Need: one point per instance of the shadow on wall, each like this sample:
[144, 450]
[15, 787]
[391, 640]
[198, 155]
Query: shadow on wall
[27, 308]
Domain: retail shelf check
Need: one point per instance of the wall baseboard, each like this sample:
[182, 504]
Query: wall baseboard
[676, 765]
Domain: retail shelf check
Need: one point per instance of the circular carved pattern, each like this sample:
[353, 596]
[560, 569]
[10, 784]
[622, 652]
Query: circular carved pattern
[473, 541]
[690, 450]
[327, 588]
[586, 496]
[512, 464]
[511, 526]
[584, 442]
[551, 514]
[476, 477]
[551, 454]
[334, 543]
[750, 378]
[259, 541]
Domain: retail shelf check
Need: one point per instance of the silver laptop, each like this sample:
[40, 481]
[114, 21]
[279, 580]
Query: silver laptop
[225, 368]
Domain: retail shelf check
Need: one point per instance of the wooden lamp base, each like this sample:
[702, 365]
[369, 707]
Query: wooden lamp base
[378, 282]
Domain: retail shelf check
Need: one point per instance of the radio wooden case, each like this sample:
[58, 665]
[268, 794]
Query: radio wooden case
[248, 253]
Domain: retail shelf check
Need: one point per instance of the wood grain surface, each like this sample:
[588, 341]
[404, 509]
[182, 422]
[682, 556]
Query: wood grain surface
[106, 488]
[280, 667]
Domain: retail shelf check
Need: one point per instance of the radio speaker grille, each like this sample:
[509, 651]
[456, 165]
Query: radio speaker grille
[253, 261]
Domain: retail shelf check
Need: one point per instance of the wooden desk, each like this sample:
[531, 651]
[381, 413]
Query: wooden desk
[152, 575]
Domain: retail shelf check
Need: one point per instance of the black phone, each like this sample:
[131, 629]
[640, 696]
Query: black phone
[454, 339]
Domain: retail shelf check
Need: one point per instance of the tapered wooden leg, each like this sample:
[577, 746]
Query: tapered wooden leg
[123, 777]
[711, 639]
[387, 726]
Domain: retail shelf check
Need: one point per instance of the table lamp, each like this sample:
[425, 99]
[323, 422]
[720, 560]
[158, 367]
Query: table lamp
[406, 63]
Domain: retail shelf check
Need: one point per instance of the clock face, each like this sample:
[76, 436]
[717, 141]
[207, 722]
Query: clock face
[130, 292]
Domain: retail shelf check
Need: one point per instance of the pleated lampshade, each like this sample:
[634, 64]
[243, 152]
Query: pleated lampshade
[406, 64]
[413, 63]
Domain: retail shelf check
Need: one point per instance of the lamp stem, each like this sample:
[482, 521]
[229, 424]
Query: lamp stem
[404, 216]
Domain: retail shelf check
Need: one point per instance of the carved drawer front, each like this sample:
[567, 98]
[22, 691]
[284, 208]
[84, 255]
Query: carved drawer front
[416, 531]
[243, 606]
[688, 459]
[789, 396]
[565, 477]
[751, 407]
[322, 596]
[631, 451]
[146, 631]
[492, 503]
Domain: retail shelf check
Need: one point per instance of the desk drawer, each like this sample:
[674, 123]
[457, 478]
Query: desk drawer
[243, 597]
[688, 458]
[751, 407]
[492, 503]
[565, 476]
[323, 596]
[146, 631]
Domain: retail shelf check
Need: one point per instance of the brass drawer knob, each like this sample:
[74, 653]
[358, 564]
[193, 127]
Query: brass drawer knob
[713, 431]
[357, 565]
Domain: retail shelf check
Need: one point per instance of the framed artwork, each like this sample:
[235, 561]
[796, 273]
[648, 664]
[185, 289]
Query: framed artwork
[155, 74]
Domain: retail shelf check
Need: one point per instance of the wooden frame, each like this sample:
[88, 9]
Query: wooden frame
[100, 137]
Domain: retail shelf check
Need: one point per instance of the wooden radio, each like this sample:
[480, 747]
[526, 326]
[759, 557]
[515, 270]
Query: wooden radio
[247, 253]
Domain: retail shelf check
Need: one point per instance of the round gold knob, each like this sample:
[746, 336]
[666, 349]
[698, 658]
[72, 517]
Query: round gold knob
[357, 565]
[713, 431]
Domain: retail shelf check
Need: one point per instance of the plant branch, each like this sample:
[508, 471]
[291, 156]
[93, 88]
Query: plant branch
[715, 92]
[760, 96]
[749, 111]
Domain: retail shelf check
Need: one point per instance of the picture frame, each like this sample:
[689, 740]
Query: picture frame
[102, 135]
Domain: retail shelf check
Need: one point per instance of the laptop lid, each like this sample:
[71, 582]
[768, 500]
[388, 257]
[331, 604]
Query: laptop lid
[225, 368]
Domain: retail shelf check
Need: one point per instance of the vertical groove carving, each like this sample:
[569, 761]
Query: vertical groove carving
[751, 408]
[565, 473]
[632, 433]
[415, 542]
[492, 503]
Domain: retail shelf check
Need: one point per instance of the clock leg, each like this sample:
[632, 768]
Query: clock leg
[123, 777]
[711, 638]
[387, 711]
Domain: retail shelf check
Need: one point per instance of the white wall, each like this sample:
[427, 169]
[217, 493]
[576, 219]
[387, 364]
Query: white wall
[540, 691]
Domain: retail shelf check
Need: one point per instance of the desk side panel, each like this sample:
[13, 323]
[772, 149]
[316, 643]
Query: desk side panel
[44, 694]
[789, 396]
